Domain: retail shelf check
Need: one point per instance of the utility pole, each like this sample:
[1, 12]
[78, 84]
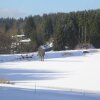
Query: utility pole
[79, 37]
[85, 35]
[82, 34]
[85, 26]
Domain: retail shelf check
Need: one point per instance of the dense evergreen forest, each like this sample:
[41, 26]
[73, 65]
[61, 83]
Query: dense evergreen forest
[64, 29]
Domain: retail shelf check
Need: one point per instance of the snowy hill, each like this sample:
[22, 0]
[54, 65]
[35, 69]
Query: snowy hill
[48, 55]
[72, 75]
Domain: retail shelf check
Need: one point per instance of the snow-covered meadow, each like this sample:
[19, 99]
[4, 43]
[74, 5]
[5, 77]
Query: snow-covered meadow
[71, 75]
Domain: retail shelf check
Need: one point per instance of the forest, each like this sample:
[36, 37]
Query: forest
[63, 29]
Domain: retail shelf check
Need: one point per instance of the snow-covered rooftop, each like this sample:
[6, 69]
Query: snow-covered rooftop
[25, 40]
[20, 35]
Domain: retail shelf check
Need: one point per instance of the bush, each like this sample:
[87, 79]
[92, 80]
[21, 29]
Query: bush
[4, 81]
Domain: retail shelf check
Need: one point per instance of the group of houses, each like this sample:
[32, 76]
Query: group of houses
[20, 41]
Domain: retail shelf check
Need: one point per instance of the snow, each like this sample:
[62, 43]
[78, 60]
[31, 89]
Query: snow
[48, 55]
[20, 35]
[63, 75]
[25, 41]
[23, 94]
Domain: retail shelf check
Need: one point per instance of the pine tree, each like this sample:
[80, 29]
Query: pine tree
[59, 39]
[29, 27]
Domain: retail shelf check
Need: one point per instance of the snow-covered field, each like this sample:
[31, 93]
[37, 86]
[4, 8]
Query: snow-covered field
[64, 75]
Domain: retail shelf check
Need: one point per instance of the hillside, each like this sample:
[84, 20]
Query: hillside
[64, 29]
[73, 76]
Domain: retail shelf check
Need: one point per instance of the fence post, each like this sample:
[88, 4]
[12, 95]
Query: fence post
[35, 87]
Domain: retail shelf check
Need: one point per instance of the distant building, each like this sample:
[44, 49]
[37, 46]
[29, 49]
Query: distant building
[19, 43]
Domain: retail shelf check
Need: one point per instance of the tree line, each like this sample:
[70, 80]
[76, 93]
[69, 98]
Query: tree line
[66, 29]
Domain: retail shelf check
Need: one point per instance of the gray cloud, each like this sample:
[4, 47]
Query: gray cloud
[11, 13]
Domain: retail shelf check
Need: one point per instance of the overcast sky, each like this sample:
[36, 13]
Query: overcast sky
[22, 8]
